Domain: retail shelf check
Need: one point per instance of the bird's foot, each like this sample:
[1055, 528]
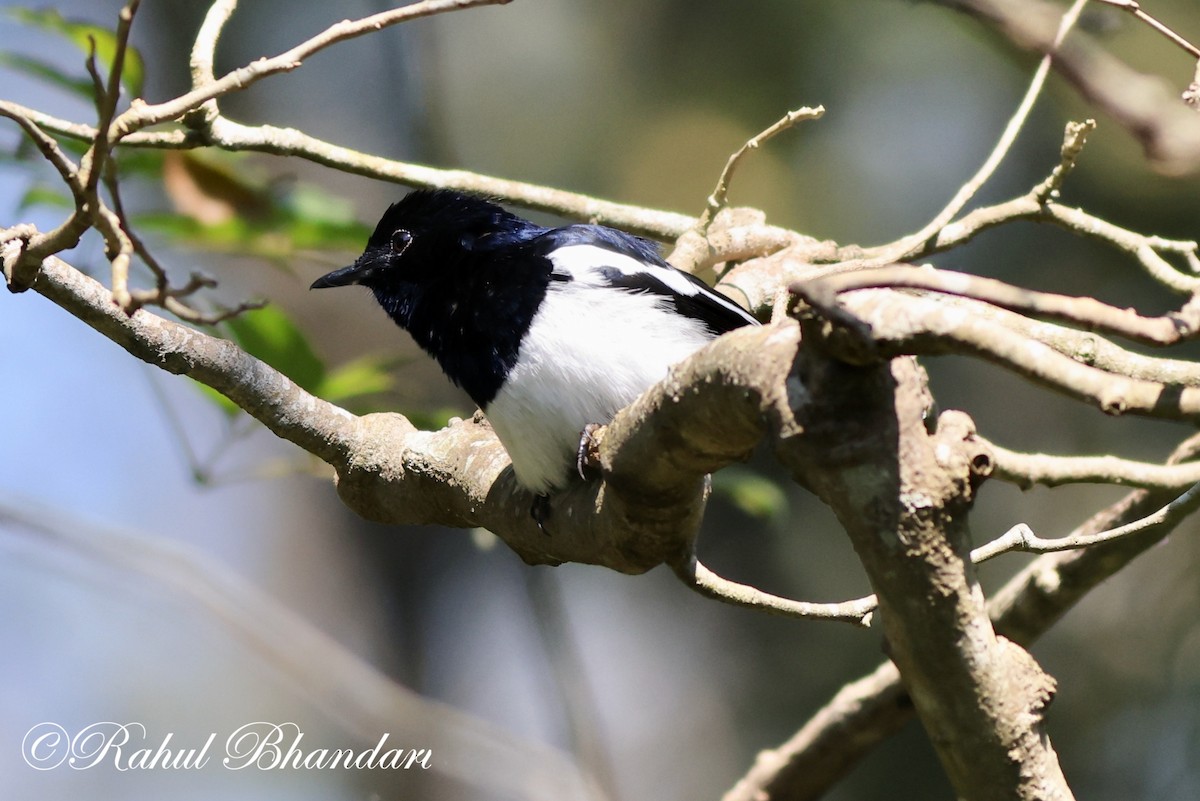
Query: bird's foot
[588, 456]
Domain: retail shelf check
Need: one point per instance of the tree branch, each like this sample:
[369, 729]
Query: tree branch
[858, 437]
[1028, 469]
[143, 115]
[868, 711]
[1167, 129]
[928, 327]
[909, 245]
[1084, 312]
[718, 198]
[695, 575]
[1021, 537]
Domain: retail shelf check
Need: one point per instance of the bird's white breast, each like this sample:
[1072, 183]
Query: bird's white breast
[589, 351]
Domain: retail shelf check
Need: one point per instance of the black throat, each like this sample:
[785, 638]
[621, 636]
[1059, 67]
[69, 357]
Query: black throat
[473, 316]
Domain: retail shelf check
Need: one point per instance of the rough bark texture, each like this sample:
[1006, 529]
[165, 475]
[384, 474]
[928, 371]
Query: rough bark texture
[902, 487]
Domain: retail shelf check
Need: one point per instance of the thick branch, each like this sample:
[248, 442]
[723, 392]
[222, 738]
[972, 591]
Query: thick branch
[927, 327]
[859, 439]
[708, 413]
[1084, 312]
[868, 711]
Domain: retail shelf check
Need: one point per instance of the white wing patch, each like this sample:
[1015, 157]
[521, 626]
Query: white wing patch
[586, 262]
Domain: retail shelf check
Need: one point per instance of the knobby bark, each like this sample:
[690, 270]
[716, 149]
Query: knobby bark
[902, 484]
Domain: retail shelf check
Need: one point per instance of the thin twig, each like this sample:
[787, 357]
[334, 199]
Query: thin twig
[699, 578]
[903, 248]
[203, 57]
[225, 133]
[1074, 138]
[1021, 537]
[719, 196]
[1028, 469]
[1135, 8]
[93, 165]
[191, 315]
[142, 115]
[1038, 205]
[1082, 311]
[67, 169]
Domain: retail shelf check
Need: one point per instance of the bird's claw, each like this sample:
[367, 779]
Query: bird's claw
[588, 455]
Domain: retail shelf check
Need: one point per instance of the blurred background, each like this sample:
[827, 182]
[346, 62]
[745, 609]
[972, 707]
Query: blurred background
[654, 690]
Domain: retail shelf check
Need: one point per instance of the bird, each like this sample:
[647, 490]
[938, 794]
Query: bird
[550, 331]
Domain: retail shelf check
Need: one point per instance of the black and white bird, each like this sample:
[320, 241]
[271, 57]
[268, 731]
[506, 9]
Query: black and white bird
[547, 329]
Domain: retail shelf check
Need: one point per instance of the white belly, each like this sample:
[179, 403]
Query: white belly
[580, 362]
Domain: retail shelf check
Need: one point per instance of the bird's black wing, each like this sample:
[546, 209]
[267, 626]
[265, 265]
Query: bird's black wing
[596, 254]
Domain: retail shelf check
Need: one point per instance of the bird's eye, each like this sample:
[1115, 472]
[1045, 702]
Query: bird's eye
[401, 239]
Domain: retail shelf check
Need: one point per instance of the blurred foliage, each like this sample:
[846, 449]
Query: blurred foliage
[751, 492]
[222, 203]
[270, 336]
[88, 38]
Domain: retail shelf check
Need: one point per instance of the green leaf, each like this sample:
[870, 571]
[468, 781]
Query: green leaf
[269, 335]
[42, 195]
[82, 35]
[755, 495]
[46, 72]
[432, 419]
[368, 375]
[224, 204]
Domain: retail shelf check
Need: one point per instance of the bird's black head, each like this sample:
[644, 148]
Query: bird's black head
[452, 270]
[425, 236]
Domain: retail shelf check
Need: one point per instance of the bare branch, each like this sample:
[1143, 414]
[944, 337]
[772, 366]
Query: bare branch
[107, 95]
[718, 198]
[1074, 138]
[863, 714]
[902, 487]
[695, 575]
[290, 142]
[1144, 249]
[1028, 469]
[926, 328]
[1083, 311]
[914, 243]
[868, 711]
[1135, 8]
[67, 169]
[644, 513]
[1021, 537]
[1168, 130]
[143, 115]
[1038, 205]
[230, 135]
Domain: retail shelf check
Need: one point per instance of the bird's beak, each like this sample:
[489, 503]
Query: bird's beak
[354, 274]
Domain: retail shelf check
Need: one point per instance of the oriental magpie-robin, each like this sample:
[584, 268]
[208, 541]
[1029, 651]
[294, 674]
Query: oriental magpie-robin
[547, 329]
